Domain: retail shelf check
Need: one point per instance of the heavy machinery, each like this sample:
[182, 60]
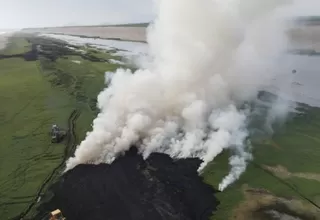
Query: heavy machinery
[56, 215]
[57, 134]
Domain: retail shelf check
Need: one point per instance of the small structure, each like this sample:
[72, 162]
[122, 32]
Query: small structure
[57, 134]
[56, 215]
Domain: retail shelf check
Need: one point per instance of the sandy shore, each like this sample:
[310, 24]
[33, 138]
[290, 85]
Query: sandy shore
[121, 33]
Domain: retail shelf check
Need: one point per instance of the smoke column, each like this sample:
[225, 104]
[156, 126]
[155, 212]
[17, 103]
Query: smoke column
[209, 57]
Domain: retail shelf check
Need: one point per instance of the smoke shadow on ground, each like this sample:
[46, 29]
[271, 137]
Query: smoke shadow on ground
[158, 188]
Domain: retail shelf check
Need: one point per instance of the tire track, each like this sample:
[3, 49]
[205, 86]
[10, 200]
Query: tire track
[70, 146]
[16, 114]
[19, 174]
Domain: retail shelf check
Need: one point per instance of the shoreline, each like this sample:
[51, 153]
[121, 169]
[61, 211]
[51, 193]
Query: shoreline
[98, 37]
[134, 34]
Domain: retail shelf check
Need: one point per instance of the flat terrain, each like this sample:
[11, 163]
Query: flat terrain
[61, 85]
[131, 188]
[306, 37]
[4, 40]
[128, 33]
[57, 87]
[282, 178]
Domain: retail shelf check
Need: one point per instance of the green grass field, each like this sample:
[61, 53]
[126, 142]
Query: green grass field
[26, 116]
[296, 146]
[32, 101]
[16, 45]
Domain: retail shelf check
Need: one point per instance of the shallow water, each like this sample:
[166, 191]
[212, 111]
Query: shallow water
[136, 52]
[302, 86]
[129, 46]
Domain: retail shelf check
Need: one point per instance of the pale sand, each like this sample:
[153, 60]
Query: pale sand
[302, 37]
[123, 33]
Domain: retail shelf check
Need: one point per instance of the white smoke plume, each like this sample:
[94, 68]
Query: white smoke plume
[209, 56]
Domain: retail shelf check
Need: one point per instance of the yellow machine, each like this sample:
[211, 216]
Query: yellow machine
[57, 215]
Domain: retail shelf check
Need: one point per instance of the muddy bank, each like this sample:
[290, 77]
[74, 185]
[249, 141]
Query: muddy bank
[131, 188]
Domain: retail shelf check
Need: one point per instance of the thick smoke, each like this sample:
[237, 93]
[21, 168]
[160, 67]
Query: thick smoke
[209, 57]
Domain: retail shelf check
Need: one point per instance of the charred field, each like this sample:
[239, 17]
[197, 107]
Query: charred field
[133, 188]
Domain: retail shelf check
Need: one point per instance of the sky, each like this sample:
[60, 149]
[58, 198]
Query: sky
[15, 14]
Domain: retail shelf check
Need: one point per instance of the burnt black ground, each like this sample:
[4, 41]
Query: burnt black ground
[131, 188]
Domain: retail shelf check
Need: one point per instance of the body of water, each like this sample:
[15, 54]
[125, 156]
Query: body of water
[301, 86]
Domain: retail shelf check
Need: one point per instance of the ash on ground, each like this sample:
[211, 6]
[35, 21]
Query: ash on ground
[131, 188]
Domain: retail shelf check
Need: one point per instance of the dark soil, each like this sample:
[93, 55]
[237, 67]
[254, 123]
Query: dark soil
[131, 188]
